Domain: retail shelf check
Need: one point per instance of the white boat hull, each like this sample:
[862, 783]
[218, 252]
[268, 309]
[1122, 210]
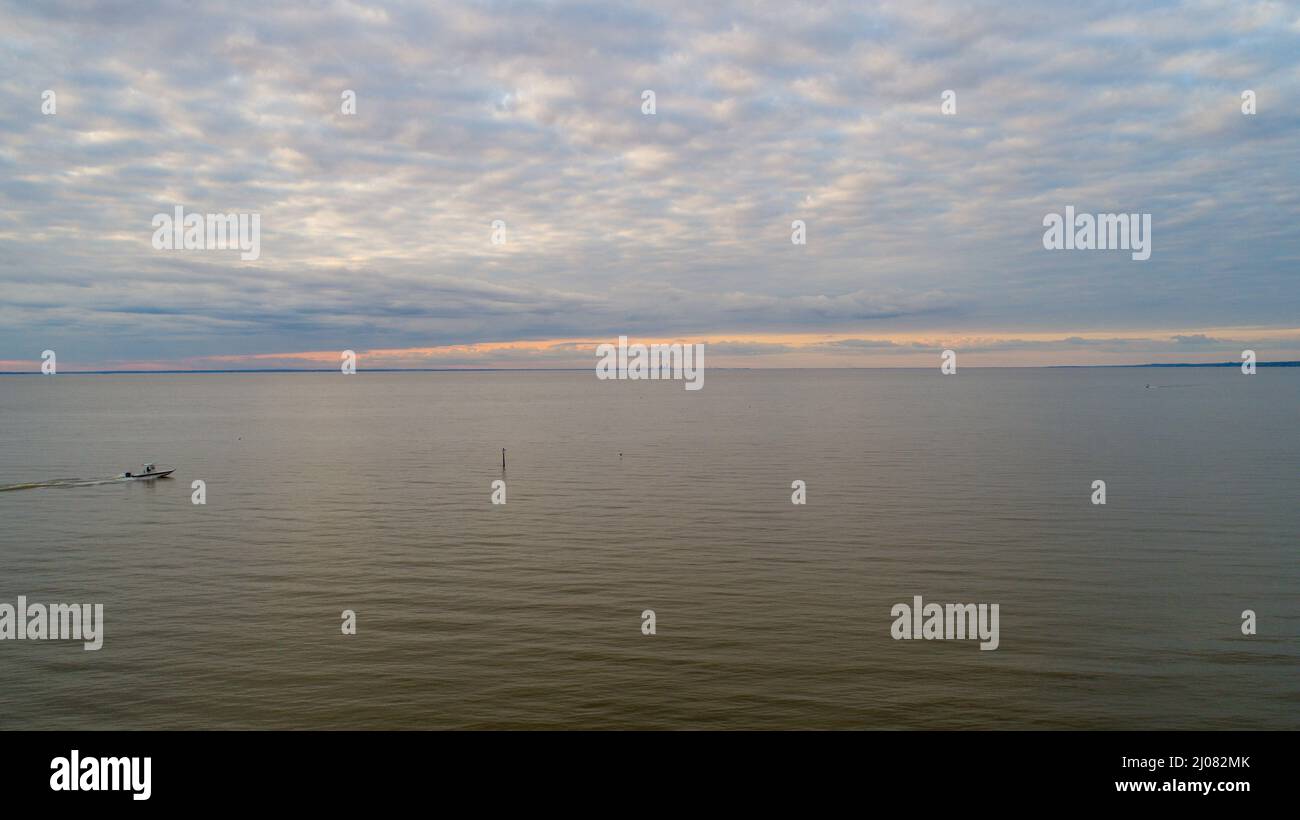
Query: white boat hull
[149, 476]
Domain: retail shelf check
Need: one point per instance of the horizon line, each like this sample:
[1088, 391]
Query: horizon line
[1283, 363]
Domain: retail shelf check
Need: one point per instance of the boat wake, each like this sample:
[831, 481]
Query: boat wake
[57, 483]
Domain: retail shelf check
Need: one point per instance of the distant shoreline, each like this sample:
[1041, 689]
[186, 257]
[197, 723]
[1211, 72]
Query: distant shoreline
[582, 369]
[1185, 364]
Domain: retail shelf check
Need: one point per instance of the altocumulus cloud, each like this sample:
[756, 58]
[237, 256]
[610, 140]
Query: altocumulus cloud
[375, 227]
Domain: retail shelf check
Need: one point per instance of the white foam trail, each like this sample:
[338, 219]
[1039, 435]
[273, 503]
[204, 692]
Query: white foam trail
[56, 483]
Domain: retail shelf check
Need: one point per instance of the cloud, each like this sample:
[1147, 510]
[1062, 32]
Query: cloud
[376, 227]
[1198, 340]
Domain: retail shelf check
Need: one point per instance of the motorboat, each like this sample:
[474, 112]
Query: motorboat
[149, 472]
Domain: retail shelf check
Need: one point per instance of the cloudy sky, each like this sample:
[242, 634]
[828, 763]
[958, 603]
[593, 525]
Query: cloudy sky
[924, 230]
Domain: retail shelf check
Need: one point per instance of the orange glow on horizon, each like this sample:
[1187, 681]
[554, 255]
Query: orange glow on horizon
[894, 349]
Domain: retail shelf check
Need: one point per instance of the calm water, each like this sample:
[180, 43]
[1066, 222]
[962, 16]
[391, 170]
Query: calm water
[371, 492]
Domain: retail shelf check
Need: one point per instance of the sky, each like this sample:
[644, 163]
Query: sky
[924, 230]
